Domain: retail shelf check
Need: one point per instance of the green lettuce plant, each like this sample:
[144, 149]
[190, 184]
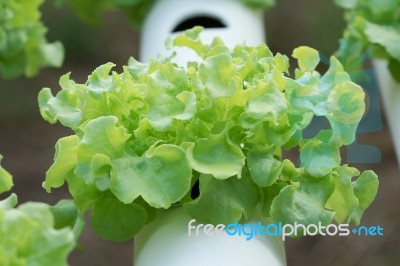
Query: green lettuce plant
[30, 235]
[146, 137]
[374, 26]
[24, 48]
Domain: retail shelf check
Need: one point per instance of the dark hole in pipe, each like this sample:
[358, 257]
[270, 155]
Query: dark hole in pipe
[195, 193]
[205, 21]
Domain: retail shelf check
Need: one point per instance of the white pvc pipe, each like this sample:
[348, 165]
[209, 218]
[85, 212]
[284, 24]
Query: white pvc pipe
[165, 242]
[243, 25]
[390, 92]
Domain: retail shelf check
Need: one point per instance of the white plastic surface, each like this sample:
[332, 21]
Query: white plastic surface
[390, 92]
[166, 242]
[243, 25]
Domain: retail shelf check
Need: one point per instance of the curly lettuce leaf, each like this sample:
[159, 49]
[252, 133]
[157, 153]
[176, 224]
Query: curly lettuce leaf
[365, 189]
[333, 196]
[216, 155]
[307, 57]
[162, 176]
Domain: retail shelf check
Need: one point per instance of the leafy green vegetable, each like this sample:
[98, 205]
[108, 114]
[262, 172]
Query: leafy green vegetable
[23, 45]
[372, 25]
[28, 233]
[143, 137]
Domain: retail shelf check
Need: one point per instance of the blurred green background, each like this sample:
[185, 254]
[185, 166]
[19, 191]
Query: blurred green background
[27, 142]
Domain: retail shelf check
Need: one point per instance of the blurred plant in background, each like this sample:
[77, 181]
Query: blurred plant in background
[29, 235]
[372, 26]
[24, 48]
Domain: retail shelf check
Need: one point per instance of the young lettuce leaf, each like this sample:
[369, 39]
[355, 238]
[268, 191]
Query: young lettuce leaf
[144, 136]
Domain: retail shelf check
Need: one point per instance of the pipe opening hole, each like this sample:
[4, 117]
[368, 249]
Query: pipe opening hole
[205, 21]
[195, 192]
